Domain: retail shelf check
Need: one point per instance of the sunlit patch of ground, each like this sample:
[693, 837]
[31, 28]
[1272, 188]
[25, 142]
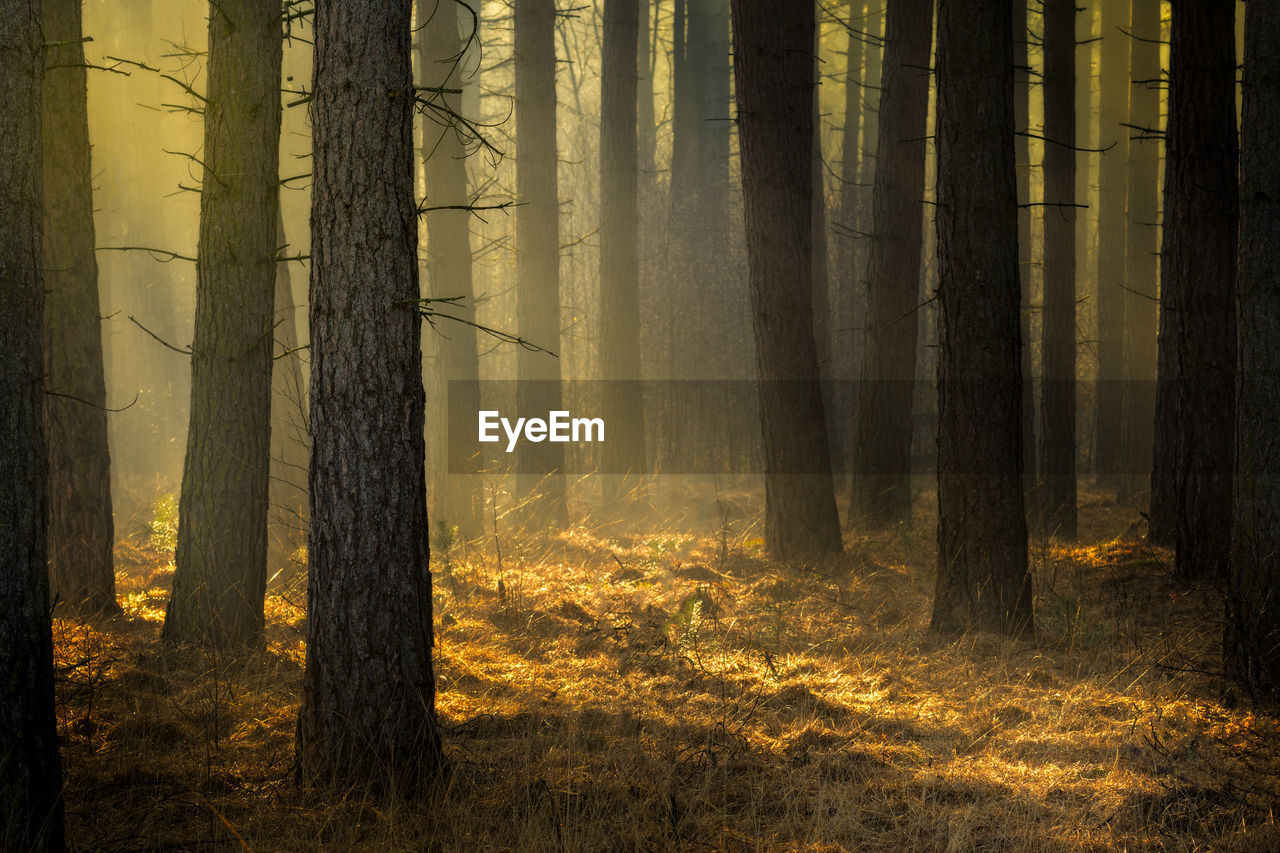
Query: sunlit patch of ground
[663, 690]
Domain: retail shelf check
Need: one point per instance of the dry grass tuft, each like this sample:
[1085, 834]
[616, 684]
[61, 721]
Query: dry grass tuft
[665, 690]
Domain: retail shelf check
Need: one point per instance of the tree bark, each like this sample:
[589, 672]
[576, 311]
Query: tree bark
[773, 69]
[30, 773]
[542, 480]
[883, 470]
[1252, 639]
[458, 491]
[1112, 184]
[1195, 402]
[81, 527]
[1022, 150]
[368, 702]
[982, 577]
[1142, 247]
[221, 559]
[1056, 504]
[624, 451]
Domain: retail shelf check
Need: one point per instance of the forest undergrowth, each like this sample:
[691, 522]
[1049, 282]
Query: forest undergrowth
[667, 690]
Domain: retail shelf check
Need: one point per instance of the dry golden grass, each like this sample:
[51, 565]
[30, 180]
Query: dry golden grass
[664, 691]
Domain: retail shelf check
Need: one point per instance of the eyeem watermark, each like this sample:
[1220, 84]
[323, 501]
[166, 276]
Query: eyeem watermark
[559, 426]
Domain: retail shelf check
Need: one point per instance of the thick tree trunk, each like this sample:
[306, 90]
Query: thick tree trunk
[368, 701]
[1195, 402]
[221, 558]
[1252, 638]
[982, 535]
[773, 69]
[1142, 246]
[458, 491]
[30, 773]
[1112, 182]
[1022, 150]
[1056, 504]
[882, 485]
[81, 528]
[542, 480]
[624, 452]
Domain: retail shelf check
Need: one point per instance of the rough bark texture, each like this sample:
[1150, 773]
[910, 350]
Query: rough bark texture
[624, 450]
[1142, 246]
[30, 774]
[982, 536]
[1056, 504]
[542, 483]
[221, 558]
[773, 70]
[1022, 150]
[368, 701]
[1191, 488]
[458, 493]
[1252, 647]
[81, 528]
[1112, 183]
[882, 486]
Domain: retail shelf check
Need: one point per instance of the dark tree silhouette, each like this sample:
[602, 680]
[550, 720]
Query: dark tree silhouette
[982, 535]
[1142, 245]
[882, 487]
[368, 700]
[624, 452]
[542, 482]
[30, 773]
[773, 71]
[221, 559]
[1056, 492]
[1252, 638]
[81, 528]
[1021, 120]
[1191, 489]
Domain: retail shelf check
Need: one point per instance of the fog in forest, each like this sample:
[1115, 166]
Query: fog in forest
[639, 425]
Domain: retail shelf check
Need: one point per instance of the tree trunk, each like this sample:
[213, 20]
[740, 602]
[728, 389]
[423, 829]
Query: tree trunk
[647, 131]
[1112, 182]
[773, 68]
[458, 492]
[1056, 505]
[624, 452]
[1252, 638]
[81, 528]
[982, 535]
[31, 791]
[1022, 150]
[1195, 402]
[542, 480]
[290, 435]
[368, 701]
[1142, 246]
[221, 559]
[883, 471]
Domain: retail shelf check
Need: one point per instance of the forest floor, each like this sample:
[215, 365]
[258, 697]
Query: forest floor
[669, 691]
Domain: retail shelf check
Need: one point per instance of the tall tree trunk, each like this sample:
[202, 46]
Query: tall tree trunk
[221, 559]
[624, 452]
[1056, 505]
[31, 793]
[647, 131]
[882, 489]
[1112, 184]
[1195, 402]
[542, 480]
[1252, 638]
[368, 700]
[458, 492]
[773, 70]
[1142, 246]
[982, 535]
[873, 59]
[81, 528]
[290, 435]
[1022, 150]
